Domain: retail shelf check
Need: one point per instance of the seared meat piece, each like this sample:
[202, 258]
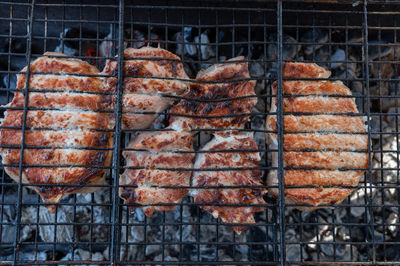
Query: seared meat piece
[249, 196]
[304, 70]
[59, 133]
[149, 73]
[160, 150]
[214, 99]
[324, 149]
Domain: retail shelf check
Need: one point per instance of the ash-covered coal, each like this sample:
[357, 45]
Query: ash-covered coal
[81, 229]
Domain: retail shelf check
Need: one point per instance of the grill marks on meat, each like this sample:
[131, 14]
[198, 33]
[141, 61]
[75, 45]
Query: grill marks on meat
[203, 108]
[233, 178]
[151, 179]
[211, 100]
[149, 74]
[329, 149]
[60, 136]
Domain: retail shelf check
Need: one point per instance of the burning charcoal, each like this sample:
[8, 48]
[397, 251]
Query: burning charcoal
[79, 254]
[13, 81]
[337, 58]
[48, 229]
[256, 70]
[106, 48]
[27, 256]
[376, 123]
[316, 36]
[188, 47]
[137, 40]
[202, 42]
[8, 231]
[355, 36]
[73, 45]
[382, 70]
[379, 50]
[288, 49]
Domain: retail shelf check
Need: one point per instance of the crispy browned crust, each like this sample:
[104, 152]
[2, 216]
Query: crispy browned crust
[304, 70]
[229, 70]
[326, 150]
[309, 87]
[325, 141]
[199, 109]
[239, 196]
[65, 130]
[203, 108]
[143, 74]
[160, 152]
[59, 119]
[319, 105]
[310, 123]
[66, 100]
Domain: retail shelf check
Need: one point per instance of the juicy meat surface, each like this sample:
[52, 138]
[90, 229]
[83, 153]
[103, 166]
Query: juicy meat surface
[326, 151]
[148, 183]
[304, 70]
[150, 76]
[67, 122]
[249, 196]
[211, 100]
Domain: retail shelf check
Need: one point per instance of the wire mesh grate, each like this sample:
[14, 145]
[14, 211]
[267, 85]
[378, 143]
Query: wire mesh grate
[357, 42]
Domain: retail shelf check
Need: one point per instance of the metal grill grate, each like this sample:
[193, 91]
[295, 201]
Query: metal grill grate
[357, 41]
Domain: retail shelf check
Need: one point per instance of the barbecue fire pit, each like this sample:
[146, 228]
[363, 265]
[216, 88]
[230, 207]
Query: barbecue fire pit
[358, 41]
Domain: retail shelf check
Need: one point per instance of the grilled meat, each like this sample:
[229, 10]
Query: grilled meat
[322, 143]
[55, 135]
[215, 99]
[144, 184]
[250, 196]
[149, 75]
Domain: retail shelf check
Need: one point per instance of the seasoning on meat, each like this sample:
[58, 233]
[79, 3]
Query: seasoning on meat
[241, 154]
[150, 76]
[324, 141]
[204, 102]
[59, 136]
[150, 180]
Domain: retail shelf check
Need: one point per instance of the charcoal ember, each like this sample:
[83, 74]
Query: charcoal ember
[137, 39]
[322, 56]
[383, 70]
[72, 43]
[314, 39]
[293, 252]
[88, 229]
[28, 217]
[48, 230]
[258, 123]
[26, 256]
[17, 46]
[185, 42]
[256, 70]
[337, 58]
[108, 47]
[203, 43]
[355, 36]
[80, 254]
[258, 251]
[346, 75]
[379, 50]
[379, 126]
[289, 47]
[357, 90]
[8, 231]
[9, 81]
